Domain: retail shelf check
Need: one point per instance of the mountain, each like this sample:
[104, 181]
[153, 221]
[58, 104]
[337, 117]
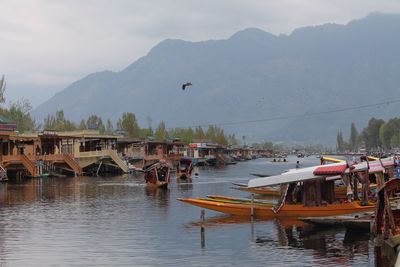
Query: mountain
[254, 75]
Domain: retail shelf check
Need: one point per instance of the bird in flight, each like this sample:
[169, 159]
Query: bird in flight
[185, 85]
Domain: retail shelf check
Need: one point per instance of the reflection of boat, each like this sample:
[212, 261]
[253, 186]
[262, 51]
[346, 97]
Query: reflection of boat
[157, 174]
[185, 168]
[262, 209]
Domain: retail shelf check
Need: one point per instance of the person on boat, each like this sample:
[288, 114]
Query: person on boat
[297, 165]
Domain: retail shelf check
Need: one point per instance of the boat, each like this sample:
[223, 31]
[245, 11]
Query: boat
[158, 174]
[306, 192]
[184, 169]
[265, 210]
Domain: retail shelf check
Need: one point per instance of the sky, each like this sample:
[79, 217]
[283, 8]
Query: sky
[45, 45]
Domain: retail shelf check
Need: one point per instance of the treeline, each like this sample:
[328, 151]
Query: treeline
[379, 134]
[19, 113]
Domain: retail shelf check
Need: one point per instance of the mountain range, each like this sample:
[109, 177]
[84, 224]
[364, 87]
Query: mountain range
[255, 84]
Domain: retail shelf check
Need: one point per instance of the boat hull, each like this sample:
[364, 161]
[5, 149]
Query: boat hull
[264, 210]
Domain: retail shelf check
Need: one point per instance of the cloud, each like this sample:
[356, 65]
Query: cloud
[48, 44]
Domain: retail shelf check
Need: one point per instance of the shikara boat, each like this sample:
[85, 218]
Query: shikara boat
[185, 168]
[306, 192]
[157, 174]
[265, 210]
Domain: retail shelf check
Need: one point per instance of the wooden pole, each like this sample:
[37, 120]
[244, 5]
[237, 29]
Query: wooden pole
[252, 206]
[202, 226]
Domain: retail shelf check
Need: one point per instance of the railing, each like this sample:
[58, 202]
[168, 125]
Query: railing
[29, 165]
[72, 163]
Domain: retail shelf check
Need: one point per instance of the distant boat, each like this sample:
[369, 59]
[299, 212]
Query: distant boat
[157, 174]
[185, 168]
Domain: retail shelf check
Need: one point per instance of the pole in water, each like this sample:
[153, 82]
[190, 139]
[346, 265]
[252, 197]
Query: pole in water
[252, 206]
[202, 225]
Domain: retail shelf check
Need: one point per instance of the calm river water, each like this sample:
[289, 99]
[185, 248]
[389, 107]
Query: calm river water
[118, 221]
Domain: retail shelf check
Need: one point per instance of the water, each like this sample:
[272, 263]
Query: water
[118, 221]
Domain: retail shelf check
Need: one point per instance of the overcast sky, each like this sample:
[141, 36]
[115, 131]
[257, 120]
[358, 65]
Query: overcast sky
[47, 44]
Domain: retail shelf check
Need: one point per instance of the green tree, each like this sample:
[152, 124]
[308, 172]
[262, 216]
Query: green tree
[19, 113]
[128, 124]
[341, 146]
[353, 141]
[82, 125]
[109, 127]
[388, 130]
[2, 89]
[58, 122]
[96, 123]
[199, 133]
[161, 131]
[370, 134]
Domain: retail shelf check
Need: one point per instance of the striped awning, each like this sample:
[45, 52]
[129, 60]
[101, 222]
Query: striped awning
[330, 169]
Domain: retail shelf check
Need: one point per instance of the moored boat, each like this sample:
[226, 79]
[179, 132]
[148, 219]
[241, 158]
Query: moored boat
[306, 192]
[264, 210]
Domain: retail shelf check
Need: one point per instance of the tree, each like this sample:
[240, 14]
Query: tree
[341, 146]
[128, 124]
[19, 112]
[95, 122]
[58, 122]
[2, 89]
[109, 127]
[161, 131]
[370, 134]
[199, 133]
[388, 130]
[353, 141]
[82, 125]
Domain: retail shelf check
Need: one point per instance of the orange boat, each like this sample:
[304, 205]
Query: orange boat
[264, 210]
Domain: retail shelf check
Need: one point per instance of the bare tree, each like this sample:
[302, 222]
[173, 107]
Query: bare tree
[2, 89]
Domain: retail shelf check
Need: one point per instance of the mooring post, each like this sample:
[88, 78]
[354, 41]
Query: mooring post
[252, 206]
[202, 225]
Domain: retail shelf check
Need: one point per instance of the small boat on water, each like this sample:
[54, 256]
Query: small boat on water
[185, 168]
[306, 192]
[158, 174]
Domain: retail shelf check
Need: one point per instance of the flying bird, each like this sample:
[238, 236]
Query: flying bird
[185, 85]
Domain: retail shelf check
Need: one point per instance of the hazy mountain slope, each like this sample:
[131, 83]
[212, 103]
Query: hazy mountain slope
[254, 75]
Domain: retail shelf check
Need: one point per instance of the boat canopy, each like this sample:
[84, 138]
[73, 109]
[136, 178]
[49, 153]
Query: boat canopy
[332, 171]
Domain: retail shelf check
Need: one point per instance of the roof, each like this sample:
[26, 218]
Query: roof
[320, 171]
[330, 169]
[5, 119]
